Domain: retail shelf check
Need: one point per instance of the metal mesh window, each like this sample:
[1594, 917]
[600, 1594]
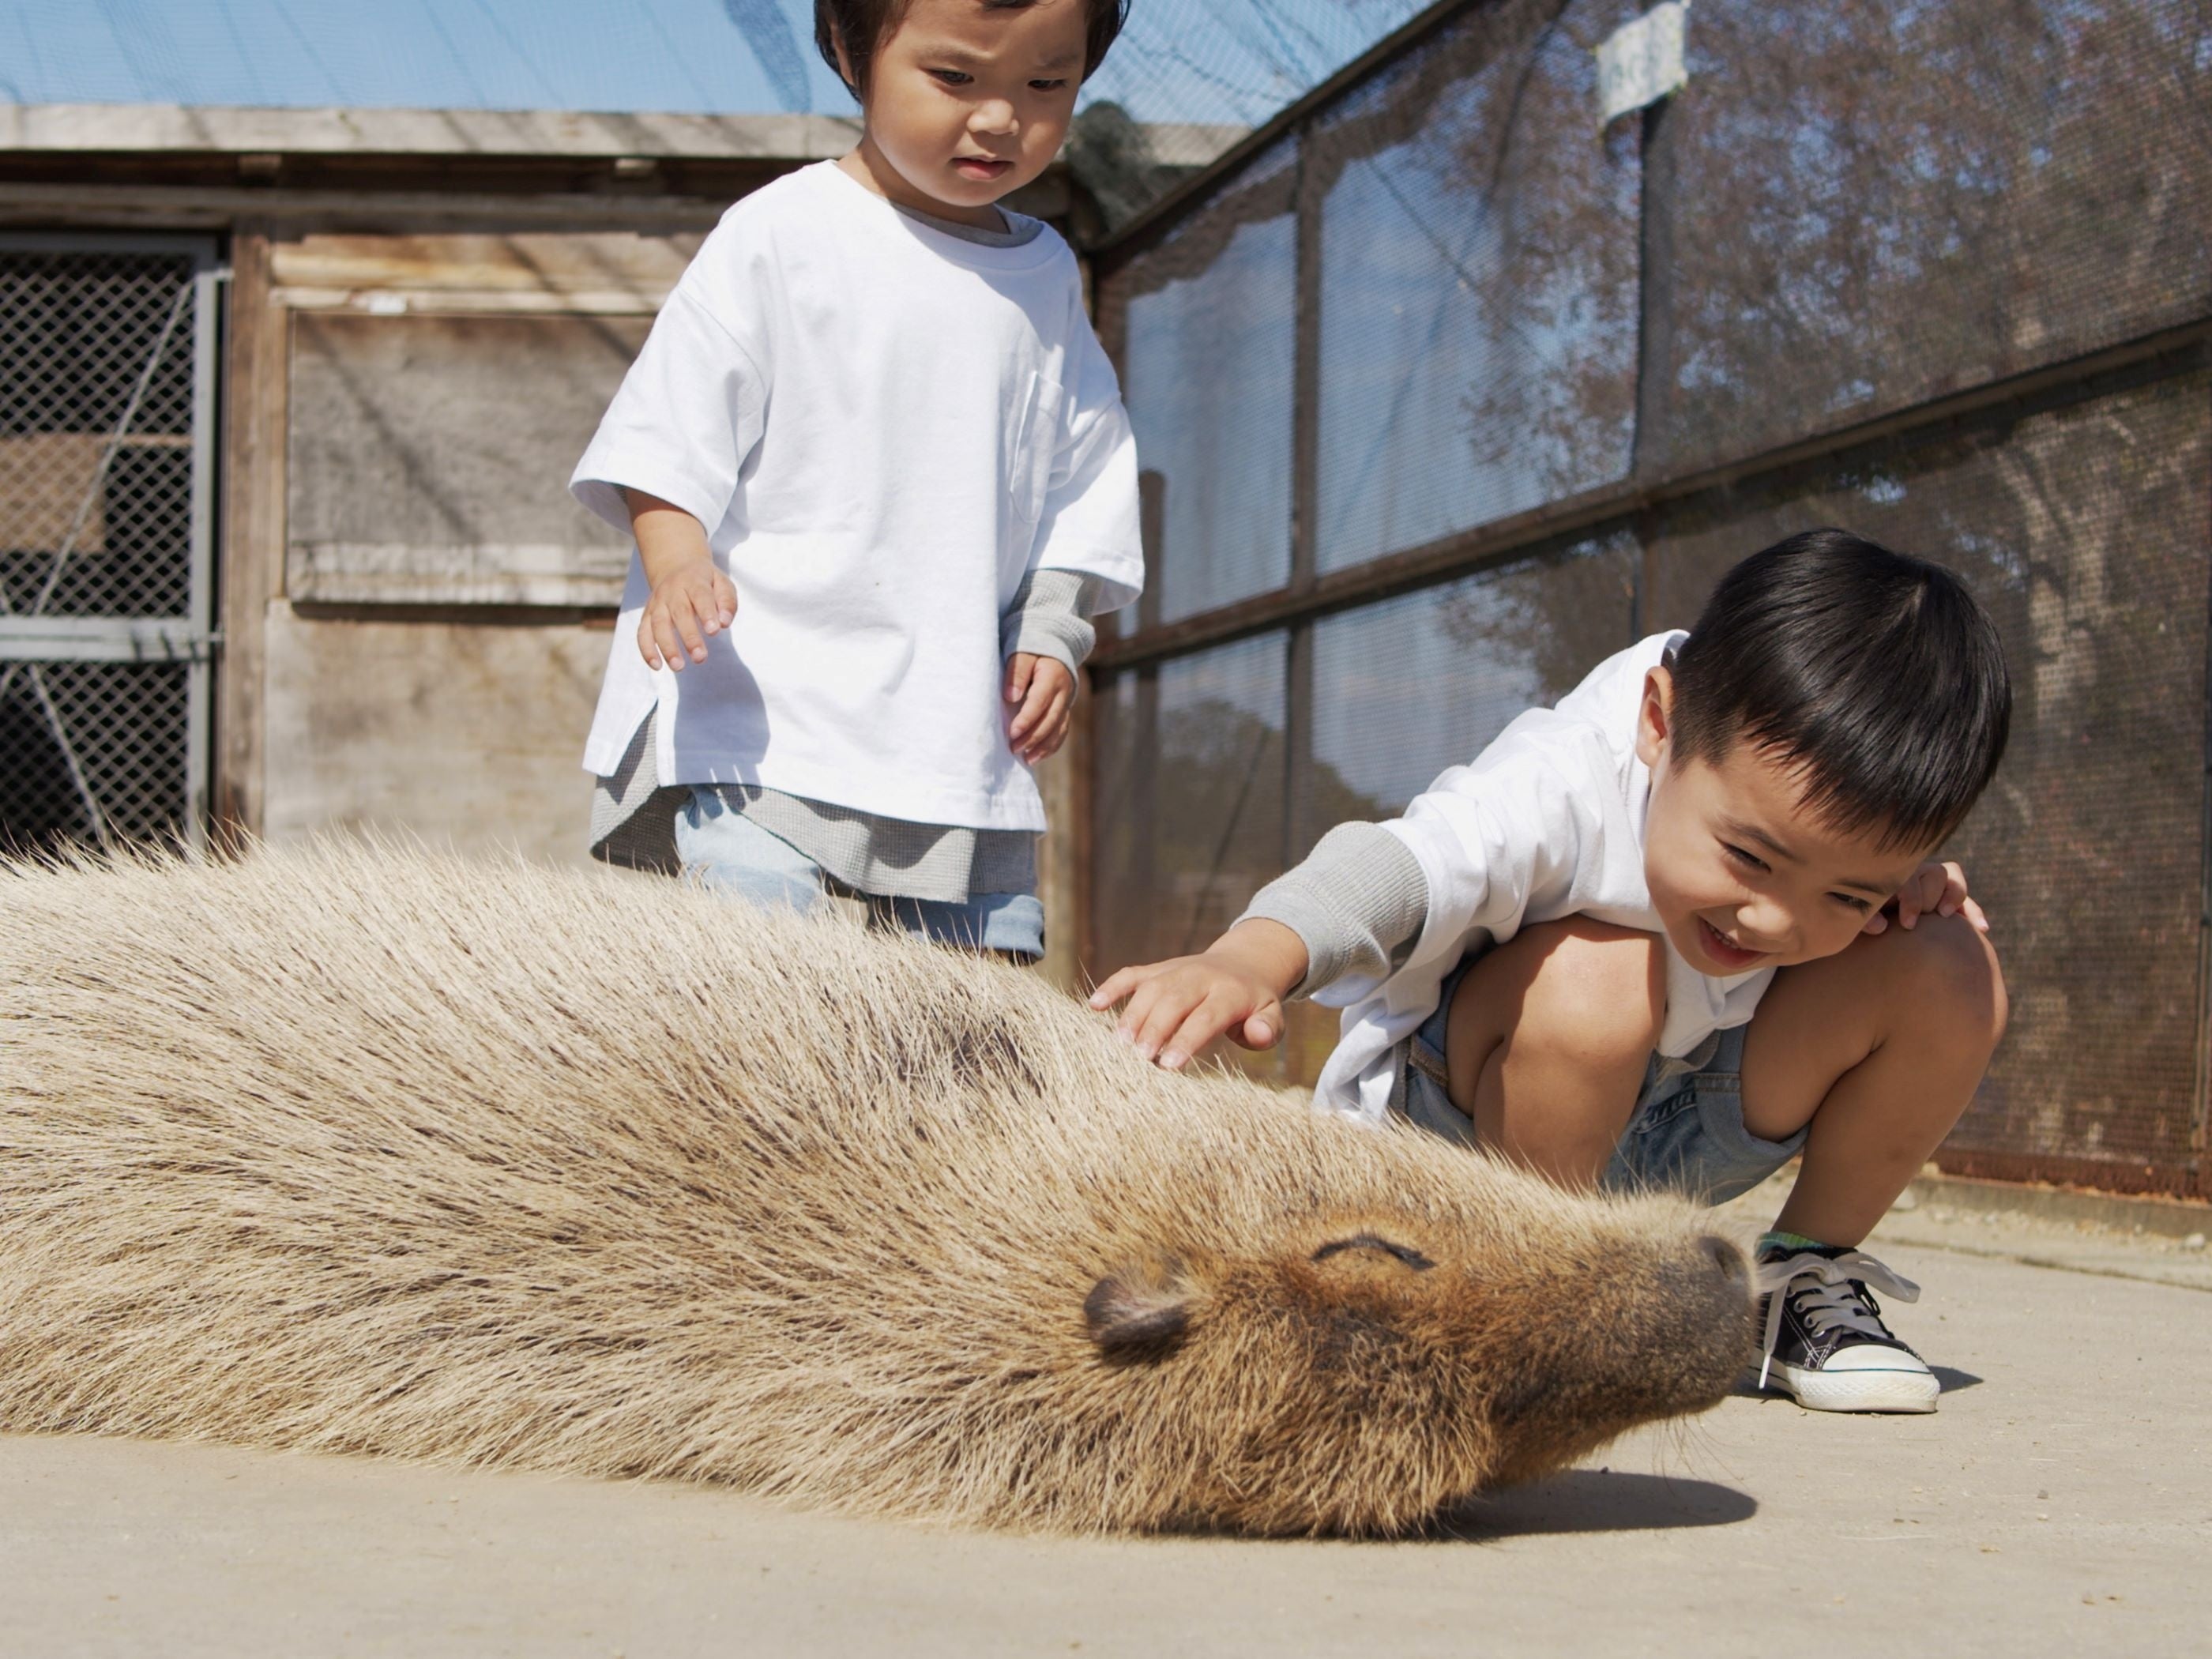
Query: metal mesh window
[96, 433]
[1478, 283]
[2084, 533]
[106, 411]
[1404, 689]
[1940, 274]
[1192, 790]
[119, 727]
[1204, 328]
[1879, 200]
[1191, 794]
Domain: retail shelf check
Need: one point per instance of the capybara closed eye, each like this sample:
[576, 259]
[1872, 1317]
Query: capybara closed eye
[370, 1151]
[1404, 1253]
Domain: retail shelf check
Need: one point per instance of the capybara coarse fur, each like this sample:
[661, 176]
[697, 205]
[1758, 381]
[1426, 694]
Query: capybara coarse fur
[365, 1149]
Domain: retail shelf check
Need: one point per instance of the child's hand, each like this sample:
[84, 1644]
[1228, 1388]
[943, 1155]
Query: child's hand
[688, 606]
[1177, 1008]
[1933, 889]
[1044, 693]
[692, 600]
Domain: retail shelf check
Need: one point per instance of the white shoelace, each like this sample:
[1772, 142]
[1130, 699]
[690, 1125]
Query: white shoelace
[1836, 1302]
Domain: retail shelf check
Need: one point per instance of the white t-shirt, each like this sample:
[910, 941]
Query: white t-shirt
[882, 429]
[1547, 821]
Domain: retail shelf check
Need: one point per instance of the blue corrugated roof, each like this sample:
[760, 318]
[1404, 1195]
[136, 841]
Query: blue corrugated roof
[1208, 61]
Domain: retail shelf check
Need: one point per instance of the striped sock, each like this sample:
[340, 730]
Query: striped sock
[1782, 1243]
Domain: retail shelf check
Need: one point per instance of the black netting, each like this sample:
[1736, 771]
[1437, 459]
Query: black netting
[1505, 308]
[1190, 798]
[2085, 531]
[1477, 341]
[1191, 793]
[1407, 687]
[96, 433]
[91, 751]
[97, 406]
[1204, 332]
[1876, 201]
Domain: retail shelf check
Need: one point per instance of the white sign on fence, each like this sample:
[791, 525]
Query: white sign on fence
[1641, 62]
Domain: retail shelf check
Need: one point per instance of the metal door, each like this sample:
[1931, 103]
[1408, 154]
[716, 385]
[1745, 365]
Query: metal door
[107, 442]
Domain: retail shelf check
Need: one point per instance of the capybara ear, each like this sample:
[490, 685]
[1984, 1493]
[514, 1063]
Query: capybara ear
[1139, 1312]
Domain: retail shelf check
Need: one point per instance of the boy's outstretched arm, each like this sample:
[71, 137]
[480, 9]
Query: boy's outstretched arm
[1352, 910]
[1236, 986]
[691, 598]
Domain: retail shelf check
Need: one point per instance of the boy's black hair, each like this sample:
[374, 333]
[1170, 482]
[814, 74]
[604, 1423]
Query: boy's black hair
[861, 25]
[1877, 675]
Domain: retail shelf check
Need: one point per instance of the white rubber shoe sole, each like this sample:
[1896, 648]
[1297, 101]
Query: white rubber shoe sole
[1856, 1389]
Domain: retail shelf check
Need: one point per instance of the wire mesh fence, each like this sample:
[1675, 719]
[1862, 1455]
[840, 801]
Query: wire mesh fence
[1478, 282]
[1942, 274]
[1206, 341]
[2084, 529]
[105, 582]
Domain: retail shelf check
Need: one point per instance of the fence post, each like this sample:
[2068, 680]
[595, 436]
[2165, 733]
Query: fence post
[1305, 509]
[2200, 1131]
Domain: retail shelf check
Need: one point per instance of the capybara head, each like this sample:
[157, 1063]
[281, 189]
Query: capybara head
[366, 1150]
[1553, 1355]
[1356, 1369]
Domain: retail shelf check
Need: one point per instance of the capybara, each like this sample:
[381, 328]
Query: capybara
[363, 1149]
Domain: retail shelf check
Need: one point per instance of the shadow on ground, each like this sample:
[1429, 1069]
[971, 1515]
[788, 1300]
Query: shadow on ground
[1596, 1500]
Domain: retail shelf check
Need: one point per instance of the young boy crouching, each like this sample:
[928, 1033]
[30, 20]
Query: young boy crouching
[1557, 953]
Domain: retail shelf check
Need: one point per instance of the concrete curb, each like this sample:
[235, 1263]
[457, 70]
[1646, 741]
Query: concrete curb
[2164, 1217]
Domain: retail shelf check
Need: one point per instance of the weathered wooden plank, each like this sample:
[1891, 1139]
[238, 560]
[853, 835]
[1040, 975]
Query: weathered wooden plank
[82, 128]
[397, 572]
[253, 525]
[470, 303]
[166, 208]
[639, 267]
[461, 734]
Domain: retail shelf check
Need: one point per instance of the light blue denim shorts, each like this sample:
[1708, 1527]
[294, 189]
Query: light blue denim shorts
[1686, 1135]
[729, 852]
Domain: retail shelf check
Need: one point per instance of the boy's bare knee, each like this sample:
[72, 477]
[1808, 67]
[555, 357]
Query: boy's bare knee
[1589, 986]
[1945, 972]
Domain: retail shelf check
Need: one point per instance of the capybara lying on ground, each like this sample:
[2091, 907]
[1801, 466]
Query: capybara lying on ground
[365, 1150]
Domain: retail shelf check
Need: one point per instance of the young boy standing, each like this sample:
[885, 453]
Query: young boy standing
[1557, 953]
[880, 479]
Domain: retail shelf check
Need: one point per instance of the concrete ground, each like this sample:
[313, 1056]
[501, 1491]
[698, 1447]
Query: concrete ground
[2060, 1501]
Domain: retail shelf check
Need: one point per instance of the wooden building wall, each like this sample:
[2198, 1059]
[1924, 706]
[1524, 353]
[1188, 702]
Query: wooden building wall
[417, 614]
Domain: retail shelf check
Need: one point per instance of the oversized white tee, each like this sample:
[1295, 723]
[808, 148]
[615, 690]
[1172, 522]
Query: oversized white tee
[882, 427]
[1547, 822]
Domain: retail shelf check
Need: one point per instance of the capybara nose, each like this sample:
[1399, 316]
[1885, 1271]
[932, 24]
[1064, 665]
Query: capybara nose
[1727, 1257]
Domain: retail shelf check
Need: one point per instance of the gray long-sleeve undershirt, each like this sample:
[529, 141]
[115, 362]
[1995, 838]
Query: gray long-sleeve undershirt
[1357, 902]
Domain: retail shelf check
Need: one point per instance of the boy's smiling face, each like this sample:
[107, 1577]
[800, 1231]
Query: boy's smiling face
[966, 103]
[1743, 874]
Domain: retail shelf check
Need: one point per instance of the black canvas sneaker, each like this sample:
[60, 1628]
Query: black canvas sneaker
[1826, 1344]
